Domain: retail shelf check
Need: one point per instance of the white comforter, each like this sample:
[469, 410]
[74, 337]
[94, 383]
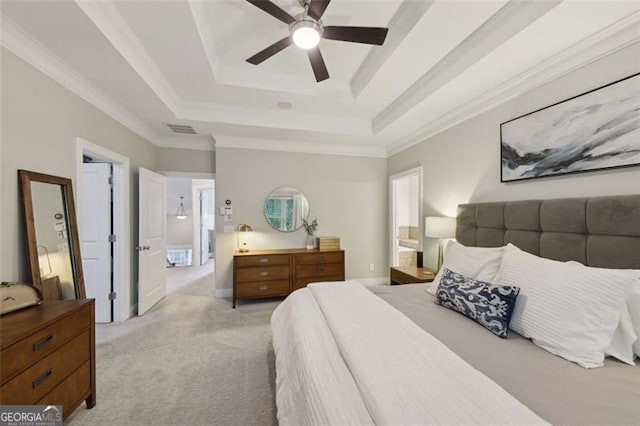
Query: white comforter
[345, 356]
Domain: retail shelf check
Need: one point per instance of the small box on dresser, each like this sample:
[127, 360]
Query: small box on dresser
[47, 355]
[272, 273]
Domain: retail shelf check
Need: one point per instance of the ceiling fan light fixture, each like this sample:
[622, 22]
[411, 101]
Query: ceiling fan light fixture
[306, 34]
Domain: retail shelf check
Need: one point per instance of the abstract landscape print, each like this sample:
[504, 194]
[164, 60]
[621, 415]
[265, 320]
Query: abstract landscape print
[599, 129]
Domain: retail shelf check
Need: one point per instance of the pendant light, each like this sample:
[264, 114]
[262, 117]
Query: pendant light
[181, 214]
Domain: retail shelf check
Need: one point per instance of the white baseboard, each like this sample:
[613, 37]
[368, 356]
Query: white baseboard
[223, 293]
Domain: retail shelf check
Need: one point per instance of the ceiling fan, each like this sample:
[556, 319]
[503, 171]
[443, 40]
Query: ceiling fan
[305, 30]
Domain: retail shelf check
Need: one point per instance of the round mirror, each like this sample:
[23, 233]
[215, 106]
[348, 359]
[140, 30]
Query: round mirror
[285, 208]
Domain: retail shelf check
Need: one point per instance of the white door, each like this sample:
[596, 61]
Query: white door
[152, 239]
[206, 224]
[95, 232]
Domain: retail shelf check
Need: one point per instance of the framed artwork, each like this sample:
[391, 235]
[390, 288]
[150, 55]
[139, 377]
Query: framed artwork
[596, 130]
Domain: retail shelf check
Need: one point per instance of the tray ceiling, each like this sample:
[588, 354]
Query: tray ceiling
[148, 63]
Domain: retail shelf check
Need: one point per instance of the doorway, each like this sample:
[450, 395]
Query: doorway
[405, 214]
[103, 194]
[190, 230]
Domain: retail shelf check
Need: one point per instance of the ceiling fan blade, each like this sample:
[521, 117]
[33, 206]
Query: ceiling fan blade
[366, 35]
[317, 8]
[273, 10]
[265, 54]
[317, 63]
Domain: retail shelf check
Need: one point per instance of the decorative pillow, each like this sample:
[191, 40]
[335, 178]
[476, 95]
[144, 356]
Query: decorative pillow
[489, 305]
[480, 263]
[569, 310]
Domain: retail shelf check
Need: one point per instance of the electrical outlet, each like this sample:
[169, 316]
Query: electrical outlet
[371, 267]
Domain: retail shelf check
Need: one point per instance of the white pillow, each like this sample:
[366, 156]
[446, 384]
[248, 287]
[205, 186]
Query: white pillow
[479, 263]
[622, 344]
[633, 304]
[569, 310]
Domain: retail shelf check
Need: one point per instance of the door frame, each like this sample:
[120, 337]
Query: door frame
[392, 212]
[122, 248]
[196, 192]
[196, 215]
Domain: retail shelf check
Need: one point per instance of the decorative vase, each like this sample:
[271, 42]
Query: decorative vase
[311, 242]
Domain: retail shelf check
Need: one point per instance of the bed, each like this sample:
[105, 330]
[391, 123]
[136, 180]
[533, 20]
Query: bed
[346, 354]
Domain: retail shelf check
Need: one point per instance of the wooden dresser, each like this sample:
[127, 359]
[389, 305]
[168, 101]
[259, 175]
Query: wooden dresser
[48, 355]
[271, 273]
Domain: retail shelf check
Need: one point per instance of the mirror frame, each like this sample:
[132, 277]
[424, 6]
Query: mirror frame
[26, 177]
[264, 210]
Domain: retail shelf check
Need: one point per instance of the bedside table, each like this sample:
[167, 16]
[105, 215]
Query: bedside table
[411, 275]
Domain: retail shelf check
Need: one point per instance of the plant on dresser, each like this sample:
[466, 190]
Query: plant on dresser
[273, 273]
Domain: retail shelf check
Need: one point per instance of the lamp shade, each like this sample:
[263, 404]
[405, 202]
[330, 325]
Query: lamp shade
[439, 227]
[243, 227]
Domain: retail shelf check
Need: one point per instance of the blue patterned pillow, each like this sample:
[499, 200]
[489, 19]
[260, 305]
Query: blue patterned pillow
[489, 305]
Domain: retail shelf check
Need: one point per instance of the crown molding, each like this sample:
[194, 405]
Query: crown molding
[301, 147]
[23, 45]
[406, 17]
[192, 142]
[277, 119]
[605, 42]
[508, 21]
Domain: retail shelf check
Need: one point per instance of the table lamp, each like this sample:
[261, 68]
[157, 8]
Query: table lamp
[243, 228]
[440, 228]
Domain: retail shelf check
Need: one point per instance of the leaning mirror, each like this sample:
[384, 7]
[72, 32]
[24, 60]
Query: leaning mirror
[285, 208]
[52, 236]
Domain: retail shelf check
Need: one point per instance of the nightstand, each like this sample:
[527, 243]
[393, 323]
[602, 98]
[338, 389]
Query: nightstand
[411, 275]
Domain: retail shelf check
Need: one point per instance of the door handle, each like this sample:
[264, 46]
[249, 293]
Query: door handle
[143, 248]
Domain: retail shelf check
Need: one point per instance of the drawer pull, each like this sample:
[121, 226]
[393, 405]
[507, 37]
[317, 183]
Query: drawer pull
[264, 260]
[40, 380]
[264, 273]
[263, 287]
[42, 342]
[319, 258]
[320, 270]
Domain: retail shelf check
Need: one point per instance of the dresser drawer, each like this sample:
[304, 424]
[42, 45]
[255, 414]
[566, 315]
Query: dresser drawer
[32, 348]
[263, 289]
[302, 282]
[74, 388]
[264, 273]
[319, 270]
[320, 257]
[38, 380]
[268, 259]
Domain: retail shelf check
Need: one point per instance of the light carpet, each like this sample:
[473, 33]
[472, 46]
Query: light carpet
[191, 359]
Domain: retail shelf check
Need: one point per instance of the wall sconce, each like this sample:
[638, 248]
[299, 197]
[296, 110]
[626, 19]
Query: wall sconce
[440, 228]
[243, 229]
[181, 214]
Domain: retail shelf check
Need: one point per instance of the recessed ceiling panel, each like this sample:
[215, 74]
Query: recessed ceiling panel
[64, 29]
[168, 33]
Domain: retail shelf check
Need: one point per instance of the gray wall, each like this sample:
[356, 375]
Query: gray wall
[40, 123]
[462, 164]
[185, 160]
[348, 195]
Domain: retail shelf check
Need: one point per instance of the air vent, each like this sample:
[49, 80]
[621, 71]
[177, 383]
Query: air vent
[181, 128]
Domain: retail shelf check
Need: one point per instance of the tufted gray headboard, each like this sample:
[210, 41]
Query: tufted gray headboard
[600, 231]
